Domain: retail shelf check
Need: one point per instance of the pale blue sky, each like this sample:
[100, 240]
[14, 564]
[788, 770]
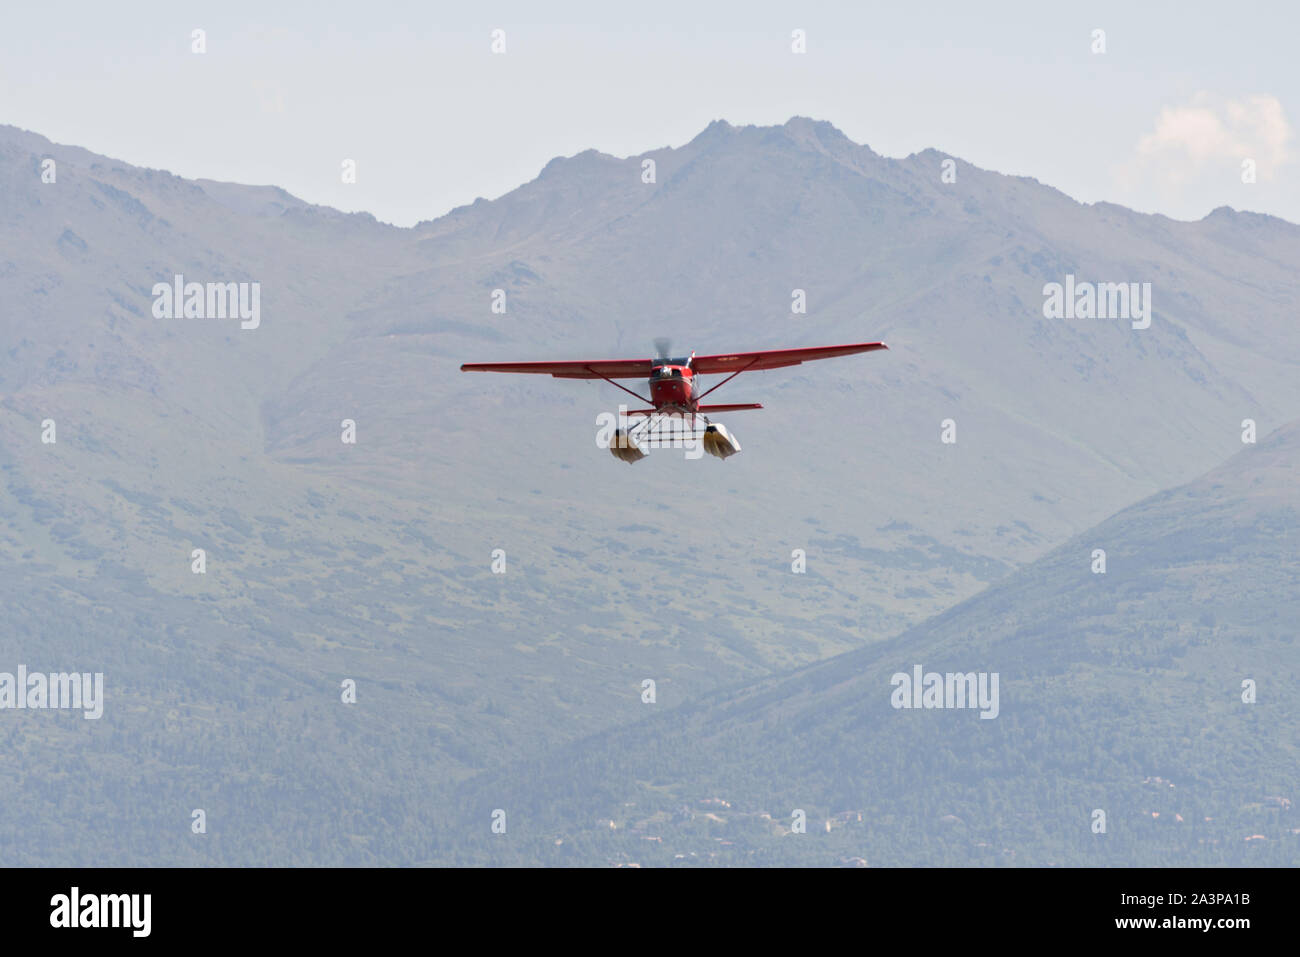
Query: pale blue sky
[413, 93]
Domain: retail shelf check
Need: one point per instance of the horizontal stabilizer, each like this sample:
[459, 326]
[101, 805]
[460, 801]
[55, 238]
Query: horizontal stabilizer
[702, 410]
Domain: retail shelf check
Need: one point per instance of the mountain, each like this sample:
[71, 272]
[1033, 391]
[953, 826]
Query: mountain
[1120, 691]
[328, 561]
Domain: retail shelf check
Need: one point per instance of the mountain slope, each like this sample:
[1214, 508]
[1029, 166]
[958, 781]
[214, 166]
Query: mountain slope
[1120, 692]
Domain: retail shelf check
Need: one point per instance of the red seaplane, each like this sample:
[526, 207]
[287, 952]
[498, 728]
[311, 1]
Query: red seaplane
[673, 387]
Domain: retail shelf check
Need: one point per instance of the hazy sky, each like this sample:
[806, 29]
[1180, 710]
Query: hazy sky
[1161, 121]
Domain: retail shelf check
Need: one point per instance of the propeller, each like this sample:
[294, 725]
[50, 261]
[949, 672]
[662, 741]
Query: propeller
[662, 345]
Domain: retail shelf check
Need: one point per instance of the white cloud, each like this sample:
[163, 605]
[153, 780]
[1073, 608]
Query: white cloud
[1216, 132]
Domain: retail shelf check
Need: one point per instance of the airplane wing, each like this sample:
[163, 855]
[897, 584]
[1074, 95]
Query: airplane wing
[776, 358]
[571, 369]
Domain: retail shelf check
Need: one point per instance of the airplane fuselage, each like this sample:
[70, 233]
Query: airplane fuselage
[672, 386]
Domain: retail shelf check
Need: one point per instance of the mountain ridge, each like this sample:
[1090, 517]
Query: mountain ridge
[31, 138]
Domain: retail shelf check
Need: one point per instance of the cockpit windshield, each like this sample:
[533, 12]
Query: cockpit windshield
[671, 368]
